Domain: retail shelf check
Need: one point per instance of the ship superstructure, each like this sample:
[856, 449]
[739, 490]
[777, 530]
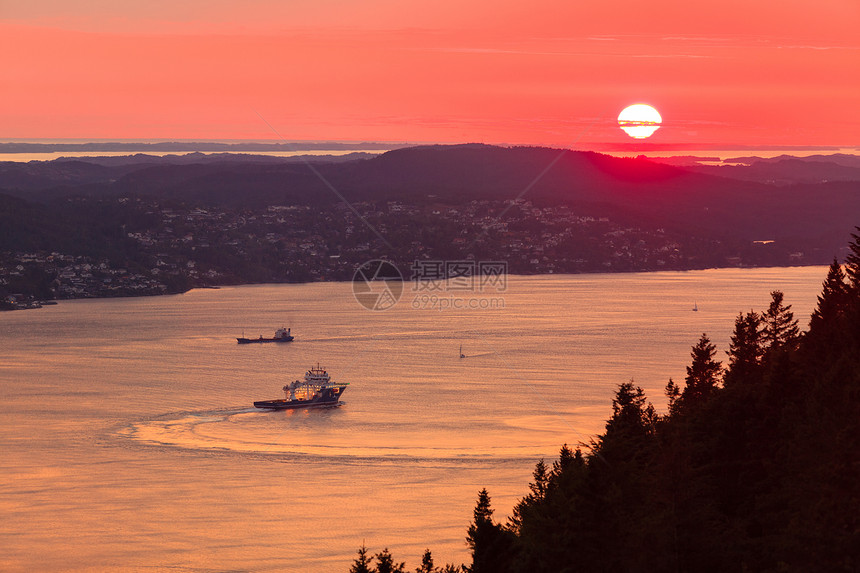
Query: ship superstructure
[316, 390]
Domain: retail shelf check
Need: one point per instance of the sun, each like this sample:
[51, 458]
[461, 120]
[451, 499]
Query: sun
[639, 120]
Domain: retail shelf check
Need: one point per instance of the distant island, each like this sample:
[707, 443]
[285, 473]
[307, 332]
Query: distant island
[188, 146]
[145, 225]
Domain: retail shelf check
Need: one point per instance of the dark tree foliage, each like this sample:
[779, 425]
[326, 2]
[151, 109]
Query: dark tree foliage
[488, 541]
[673, 393]
[826, 326]
[853, 261]
[631, 423]
[483, 514]
[628, 409]
[703, 374]
[852, 270]
[780, 329]
[362, 562]
[763, 474]
[426, 563]
[746, 349]
[834, 298]
[565, 458]
[385, 563]
[541, 483]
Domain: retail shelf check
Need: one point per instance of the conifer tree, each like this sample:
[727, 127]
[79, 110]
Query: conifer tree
[673, 392]
[426, 563]
[483, 512]
[632, 423]
[540, 485]
[833, 300]
[385, 563]
[482, 521]
[488, 541]
[628, 409]
[362, 562]
[650, 417]
[703, 375]
[853, 261]
[745, 348]
[780, 328]
[565, 458]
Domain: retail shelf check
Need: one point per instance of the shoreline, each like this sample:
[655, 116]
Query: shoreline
[53, 302]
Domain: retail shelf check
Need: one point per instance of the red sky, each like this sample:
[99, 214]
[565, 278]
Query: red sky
[761, 72]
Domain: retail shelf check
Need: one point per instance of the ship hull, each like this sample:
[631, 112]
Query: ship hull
[259, 340]
[295, 404]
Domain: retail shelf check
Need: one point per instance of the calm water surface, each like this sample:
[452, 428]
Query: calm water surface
[128, 441]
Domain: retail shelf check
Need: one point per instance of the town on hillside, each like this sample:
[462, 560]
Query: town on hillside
[168, 248]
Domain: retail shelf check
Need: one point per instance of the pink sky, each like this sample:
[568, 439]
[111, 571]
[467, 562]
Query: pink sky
[769, 72]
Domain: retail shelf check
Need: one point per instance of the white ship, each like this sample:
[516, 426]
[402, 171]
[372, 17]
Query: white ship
[316, 391]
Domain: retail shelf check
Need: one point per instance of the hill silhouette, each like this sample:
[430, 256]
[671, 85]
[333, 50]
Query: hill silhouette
[810, 217]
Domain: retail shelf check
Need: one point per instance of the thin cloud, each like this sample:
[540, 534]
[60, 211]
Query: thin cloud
[463, 50]
[696, 56]
[810, 47]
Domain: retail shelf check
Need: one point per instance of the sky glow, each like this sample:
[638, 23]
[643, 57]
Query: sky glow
[549, 73]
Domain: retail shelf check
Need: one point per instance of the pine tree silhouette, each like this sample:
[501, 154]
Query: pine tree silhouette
[703, 375]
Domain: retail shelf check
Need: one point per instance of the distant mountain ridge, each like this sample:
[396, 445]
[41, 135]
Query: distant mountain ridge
[693, 201]
[189, 146]
[785, 170]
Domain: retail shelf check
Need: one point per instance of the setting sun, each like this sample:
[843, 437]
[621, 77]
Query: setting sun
[639, 121]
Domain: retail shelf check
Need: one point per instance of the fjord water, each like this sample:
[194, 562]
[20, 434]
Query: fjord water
[128, 440]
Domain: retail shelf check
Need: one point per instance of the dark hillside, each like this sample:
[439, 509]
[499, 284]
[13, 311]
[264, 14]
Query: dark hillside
[812, 219]
[756, 467]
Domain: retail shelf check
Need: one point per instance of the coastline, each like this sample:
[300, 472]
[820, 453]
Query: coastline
[37, 304]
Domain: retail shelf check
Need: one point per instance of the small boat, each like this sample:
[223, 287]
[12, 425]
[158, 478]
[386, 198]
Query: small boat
[461, 352]
[281, 335]
[316, 391]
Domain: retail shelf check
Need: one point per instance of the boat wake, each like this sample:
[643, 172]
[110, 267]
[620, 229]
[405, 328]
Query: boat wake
[478, 354]
[322, 433]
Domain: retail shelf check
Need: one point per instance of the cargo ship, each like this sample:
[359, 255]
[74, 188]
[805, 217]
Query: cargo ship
[281, 335]
[316, 391]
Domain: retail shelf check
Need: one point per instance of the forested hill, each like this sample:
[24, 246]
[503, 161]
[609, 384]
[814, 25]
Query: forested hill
[811, 215]
[755, 467]
[151, 225]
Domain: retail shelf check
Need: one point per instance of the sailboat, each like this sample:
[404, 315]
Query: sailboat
[695, 307]
[461, 352]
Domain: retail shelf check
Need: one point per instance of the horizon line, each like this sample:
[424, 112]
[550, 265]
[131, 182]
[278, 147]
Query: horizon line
[583, 146]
